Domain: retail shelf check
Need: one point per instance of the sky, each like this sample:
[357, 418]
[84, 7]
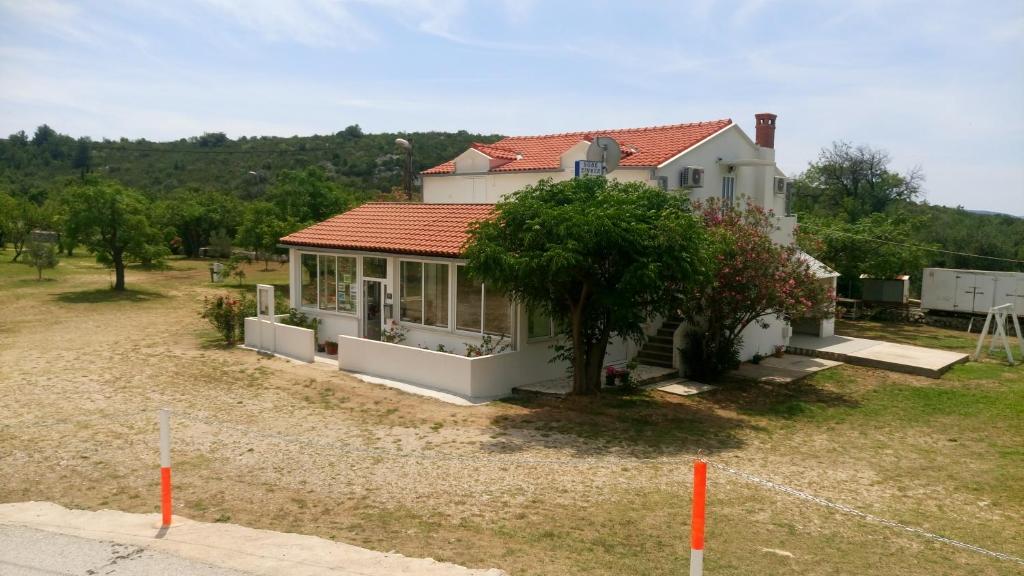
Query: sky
[937, 84]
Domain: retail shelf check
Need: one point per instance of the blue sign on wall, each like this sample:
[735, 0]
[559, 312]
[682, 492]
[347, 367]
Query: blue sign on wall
[589, 168]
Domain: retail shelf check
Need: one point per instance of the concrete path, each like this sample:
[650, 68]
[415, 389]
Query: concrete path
[644, 375]
[44, 538]
[789, 368]
[30, 552]
[877, 354]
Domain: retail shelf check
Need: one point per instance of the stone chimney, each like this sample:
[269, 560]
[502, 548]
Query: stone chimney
[765, 134]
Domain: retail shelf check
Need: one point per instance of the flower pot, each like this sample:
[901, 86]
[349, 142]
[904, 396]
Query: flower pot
[331, 348]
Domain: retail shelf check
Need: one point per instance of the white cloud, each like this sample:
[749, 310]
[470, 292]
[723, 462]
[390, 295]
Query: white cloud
[310, 22]
[67, 21]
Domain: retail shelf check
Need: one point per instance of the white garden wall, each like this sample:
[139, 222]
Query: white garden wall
[290, 341]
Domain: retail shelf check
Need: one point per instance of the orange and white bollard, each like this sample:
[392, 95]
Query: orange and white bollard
[165, 467]
[700, 489]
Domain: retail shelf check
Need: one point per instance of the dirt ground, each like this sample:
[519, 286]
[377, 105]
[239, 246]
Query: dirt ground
[532, 485]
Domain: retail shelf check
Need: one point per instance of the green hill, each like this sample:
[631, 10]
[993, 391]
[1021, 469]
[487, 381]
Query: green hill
[30, 166]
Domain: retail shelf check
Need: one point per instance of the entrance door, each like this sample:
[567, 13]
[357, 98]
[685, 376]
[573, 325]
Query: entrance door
[372, 318]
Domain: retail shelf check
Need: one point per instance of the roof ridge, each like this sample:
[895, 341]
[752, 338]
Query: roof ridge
[614, 130]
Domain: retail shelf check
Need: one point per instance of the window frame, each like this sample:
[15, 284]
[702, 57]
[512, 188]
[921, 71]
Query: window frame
[449, 325]
[731, 180]
[356, 282]
[551, 335]
[483, 309]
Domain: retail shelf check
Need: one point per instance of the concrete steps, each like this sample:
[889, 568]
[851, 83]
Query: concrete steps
[657, 350]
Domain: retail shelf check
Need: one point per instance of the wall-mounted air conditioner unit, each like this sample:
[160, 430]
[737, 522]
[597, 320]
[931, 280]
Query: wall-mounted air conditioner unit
[691, 177]
[780, 185]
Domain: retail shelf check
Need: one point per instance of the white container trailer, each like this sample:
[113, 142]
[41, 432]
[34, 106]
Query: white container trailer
[971, 291]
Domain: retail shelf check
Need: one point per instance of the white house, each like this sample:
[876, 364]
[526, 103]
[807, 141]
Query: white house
[384, 269]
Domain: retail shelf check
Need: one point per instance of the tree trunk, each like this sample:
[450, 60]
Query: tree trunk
[118, 271]
[39, 273]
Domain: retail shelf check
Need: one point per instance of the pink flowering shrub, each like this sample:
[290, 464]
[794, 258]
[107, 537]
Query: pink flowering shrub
[227, 314]
[753, 278]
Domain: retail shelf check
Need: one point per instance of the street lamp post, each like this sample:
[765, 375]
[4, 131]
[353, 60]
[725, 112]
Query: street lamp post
[259, 182]
[404, 144]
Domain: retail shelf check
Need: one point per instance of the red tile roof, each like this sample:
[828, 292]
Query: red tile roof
[424, 229]
[641, 147]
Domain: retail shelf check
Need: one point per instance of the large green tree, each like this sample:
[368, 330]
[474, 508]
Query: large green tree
[853, 182]
[308, 195]
[113, 222]
[261, 228]
[19, 217]
[196, 214]
[879, 245]
[600, 257]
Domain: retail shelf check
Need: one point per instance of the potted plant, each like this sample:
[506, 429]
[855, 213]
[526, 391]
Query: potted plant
[780, 350]
[331, 347]
[610, 374]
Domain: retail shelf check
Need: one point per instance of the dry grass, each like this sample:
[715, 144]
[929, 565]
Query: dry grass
[292, 447]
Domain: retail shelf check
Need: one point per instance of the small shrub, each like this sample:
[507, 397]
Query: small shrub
[394, 334]
[40, 255]
[220, 244]
[488, 346]
[302, 320]
[610, 375]
[227, 314]
[707, 359]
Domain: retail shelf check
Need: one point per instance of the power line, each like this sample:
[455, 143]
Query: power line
[209, 151]
[905, 245]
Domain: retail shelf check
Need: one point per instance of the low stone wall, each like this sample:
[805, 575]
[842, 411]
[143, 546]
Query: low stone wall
[283, 339]
[483, 377]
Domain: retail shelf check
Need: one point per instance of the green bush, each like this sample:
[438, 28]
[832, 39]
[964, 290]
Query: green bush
[707, 359]
[227, 314]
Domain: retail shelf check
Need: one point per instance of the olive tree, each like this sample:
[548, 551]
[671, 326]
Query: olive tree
[112, 221]
[600, 257]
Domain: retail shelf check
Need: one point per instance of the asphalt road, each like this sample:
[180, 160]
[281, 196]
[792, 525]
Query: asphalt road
[31, 552]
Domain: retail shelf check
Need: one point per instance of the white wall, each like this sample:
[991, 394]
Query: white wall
[290, 341]
[437, 370]
[755, 182]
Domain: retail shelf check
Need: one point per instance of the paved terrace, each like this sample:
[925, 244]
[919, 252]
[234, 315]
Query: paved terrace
[877, 354]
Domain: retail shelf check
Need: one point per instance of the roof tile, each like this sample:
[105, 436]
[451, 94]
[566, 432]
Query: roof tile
[423, 229]
[650, 146]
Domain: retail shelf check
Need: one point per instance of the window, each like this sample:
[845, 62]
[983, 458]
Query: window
[328, 282]
[469, 301]
[538, 324]
[307, 280]
[424, 293]
[346, 284]
[479, 309]
[334, 287]
[728, 190]
[375, 267]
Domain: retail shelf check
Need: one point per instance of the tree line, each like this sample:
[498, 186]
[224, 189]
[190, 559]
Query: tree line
[861, 217]
[139, 201]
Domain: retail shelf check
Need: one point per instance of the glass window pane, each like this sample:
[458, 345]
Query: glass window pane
[467, 301]
[347, 284]
[327, 283]
[497, 312]
[307, 271]
[411, 286]
[375, 267]
[538, 324]
[435, 295]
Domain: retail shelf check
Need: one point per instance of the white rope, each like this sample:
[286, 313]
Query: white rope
[505, 459]
[870, 517]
